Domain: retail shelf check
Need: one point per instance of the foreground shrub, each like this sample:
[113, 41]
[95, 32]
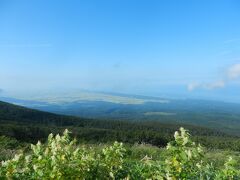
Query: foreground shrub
[61, 158]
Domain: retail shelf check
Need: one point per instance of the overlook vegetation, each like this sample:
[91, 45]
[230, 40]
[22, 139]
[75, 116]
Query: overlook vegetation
[27, 125]
[62, 158]
[206, 113]
[150, 150]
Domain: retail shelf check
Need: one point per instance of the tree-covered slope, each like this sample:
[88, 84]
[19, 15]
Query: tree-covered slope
[218, 115]
[30, 125]
[19, 114]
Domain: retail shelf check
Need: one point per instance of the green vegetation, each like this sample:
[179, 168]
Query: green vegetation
[27, 125]
[146, 153]
[61, 158]
[211, 114]
[9, 147]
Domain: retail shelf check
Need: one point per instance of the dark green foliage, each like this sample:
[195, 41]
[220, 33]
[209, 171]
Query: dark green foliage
[211, 114]
[27, 125]
[9, 147]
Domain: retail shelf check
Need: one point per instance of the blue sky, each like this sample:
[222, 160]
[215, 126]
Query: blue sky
[189, 48]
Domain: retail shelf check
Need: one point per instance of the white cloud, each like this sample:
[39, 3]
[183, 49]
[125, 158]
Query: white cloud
[209, 86]
[192, 86]
[215, 85]
[232, 73]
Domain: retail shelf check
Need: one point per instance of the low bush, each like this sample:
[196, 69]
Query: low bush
[62, 158]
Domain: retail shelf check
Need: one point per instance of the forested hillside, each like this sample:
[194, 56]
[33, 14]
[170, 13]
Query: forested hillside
[27, 125]
[217, 115]
[146, 154]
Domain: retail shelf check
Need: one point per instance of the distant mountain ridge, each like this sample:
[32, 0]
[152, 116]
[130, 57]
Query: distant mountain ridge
[71, 97]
